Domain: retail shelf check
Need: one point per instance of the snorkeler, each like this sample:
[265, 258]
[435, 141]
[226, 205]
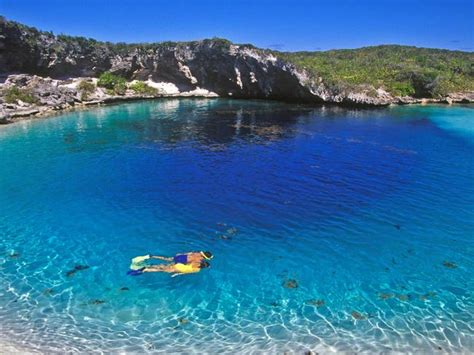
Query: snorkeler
[139, 262]
[175, 269]
[186, 258]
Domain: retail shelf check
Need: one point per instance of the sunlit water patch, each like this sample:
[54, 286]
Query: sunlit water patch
[332, 229]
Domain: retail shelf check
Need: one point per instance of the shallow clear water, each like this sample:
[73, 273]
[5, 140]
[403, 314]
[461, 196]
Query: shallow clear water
[371, 212]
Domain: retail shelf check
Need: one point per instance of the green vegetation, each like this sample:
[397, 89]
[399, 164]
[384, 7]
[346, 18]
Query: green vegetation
[401, 70]
[115, 84]
[85, 88]
[141, 88]
[13, 94]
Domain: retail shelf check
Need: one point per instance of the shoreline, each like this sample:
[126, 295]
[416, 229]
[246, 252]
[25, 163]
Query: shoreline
[21, 116]
[48, 112]
[25, 96]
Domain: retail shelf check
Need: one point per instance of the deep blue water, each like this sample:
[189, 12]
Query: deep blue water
[371, 212]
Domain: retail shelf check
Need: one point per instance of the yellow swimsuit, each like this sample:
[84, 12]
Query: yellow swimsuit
[186, 268]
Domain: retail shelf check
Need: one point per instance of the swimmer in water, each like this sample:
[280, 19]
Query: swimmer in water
[186, 258]
[175, 269]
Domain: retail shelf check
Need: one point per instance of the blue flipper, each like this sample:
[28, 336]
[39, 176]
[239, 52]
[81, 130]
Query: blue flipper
[135, 272]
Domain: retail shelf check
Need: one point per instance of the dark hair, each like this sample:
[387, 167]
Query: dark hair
[204, 264]
[208, 254]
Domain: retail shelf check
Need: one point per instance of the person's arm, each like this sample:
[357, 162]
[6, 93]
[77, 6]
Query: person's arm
[161, 257]
[185, 273]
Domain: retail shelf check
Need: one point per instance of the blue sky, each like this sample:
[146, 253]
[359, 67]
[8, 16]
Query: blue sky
[284, 25]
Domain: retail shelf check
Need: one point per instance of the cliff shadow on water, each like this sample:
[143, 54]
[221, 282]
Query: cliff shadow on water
[208, 122]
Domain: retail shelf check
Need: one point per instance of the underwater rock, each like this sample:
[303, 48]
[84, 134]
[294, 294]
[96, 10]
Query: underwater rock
[427, 296]
[403, 298]
[385, 296]
[358, 316]
[48, 291]
[316, 302]
[69, 138]
[269, 130]
[449, 264]
[290, 283]
[96, 302]
[80, 267]
[274, 304]
[124, 289]
[232, 231]
[217, 148]
[14, 255]
[183, 321]
[397, 226]
[76, 269]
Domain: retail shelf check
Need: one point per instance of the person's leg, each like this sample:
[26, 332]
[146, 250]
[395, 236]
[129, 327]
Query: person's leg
[161, 257]
[159, 268]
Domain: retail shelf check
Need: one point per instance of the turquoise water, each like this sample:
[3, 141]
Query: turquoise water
[370, 213]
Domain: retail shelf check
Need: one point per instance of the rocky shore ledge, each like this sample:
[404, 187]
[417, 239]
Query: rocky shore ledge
[24, 96]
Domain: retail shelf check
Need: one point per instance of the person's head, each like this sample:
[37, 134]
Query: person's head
[204, 264]
[207, 255]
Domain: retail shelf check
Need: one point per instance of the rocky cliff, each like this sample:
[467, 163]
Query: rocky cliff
[212, 66]
[215, 65]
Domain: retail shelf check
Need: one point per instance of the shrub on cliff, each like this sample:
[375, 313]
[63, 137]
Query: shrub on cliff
[401, 70]
[402, 89]
[115, 84]
[85, 88]
[141, 88]
[426, 84]
[14, 93]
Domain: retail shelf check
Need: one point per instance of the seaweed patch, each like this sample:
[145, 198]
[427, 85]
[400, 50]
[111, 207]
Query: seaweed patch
[385, 296]
[449, 264]
[316, 302]
[76, 269]
[358, 316]
[290, 283]
[96, 302]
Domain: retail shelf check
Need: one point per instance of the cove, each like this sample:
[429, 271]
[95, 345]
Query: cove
[332, 229]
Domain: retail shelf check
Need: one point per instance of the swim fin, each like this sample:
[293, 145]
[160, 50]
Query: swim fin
[140, 259]
[135, 272]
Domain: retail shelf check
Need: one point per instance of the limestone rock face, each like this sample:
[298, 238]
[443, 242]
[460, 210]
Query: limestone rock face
[214, 65]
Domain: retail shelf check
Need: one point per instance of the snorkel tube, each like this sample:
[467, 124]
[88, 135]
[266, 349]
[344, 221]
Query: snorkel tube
[203, 254]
